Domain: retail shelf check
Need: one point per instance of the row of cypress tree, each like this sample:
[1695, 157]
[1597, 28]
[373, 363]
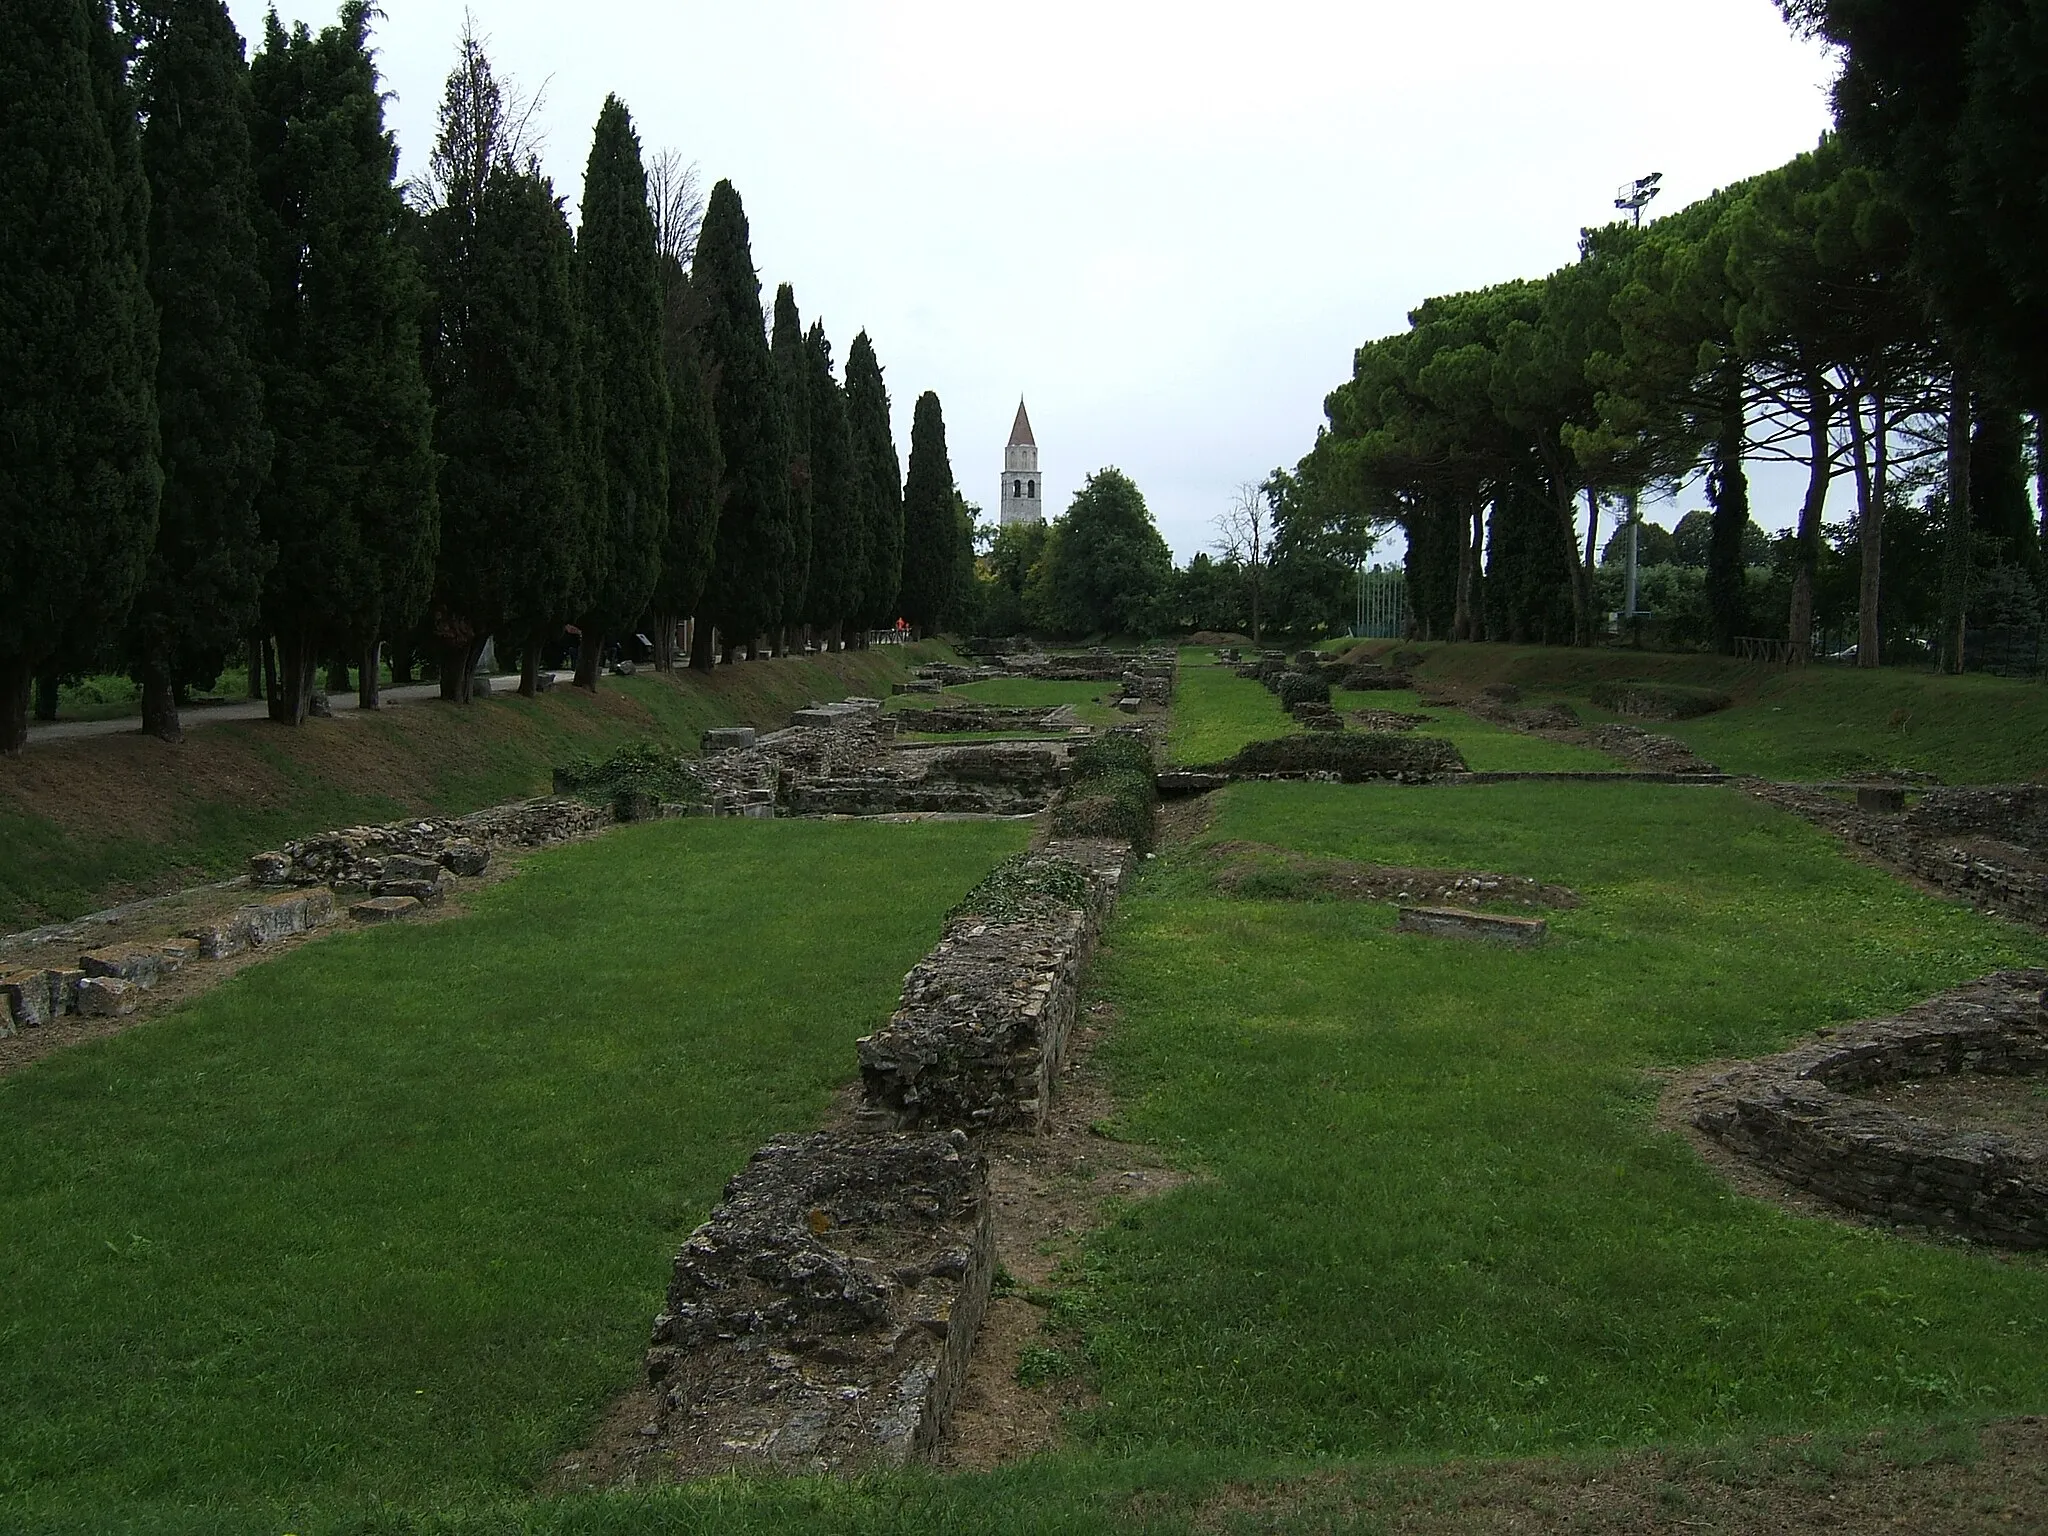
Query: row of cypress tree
[252, 388]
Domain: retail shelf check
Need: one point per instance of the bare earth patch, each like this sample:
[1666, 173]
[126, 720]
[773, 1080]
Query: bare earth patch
[1989, 1480]
[1264, 870]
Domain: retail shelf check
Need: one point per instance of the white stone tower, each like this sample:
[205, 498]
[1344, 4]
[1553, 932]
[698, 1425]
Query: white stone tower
[1021, 502]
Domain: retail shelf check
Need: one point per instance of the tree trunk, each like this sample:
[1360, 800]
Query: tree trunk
[17, 679]
[255, 666]
[1869, 527]
[46, 694]
[453, 653]
[703, 645]
[589, 658]
[268, 650]
[1566, 501]
[292, 688]
[369, 689]
[1820, 412]
[337, 673]
[529, 666]
[160, 705]
[2041, 472]
[1728, 490]
[401, 662]
[1461, 617]
[1955, 551]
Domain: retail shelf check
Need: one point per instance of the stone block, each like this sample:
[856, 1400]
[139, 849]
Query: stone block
[729, 738]
[822, 1319]
[318, 707]
[106, 997]
[28, 999]
[178, 953]
[1458, 923]
[382, 909]
[269, 869]
[1885, 799]
[406, 866]
[480, 686]
[463, 857]
[424, 891]
[140, 966]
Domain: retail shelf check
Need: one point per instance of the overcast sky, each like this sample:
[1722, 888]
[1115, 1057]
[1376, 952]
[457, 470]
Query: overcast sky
[1166, 227]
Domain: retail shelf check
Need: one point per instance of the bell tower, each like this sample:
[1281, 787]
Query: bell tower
[1021, 501]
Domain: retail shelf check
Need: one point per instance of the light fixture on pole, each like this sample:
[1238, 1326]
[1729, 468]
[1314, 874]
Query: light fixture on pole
[1634, 196]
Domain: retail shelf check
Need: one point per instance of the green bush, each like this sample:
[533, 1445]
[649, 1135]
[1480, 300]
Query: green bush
[1659, 701]
[1352, 757]
[638, 771]
[1112, 793]
[1303, 688]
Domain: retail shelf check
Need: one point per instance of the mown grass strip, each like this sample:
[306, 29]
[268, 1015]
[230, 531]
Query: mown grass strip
[389, 1216]
[1438, 1219]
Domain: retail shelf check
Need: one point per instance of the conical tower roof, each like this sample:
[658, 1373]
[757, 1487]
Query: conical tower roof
[1020, 429]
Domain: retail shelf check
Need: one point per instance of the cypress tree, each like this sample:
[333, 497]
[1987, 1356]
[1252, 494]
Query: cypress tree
[878, 478]
[622, 326]
[837, 551]
[931, 525]
[350, 500]
[205, 576]
[793, 384]
[79, 480]
[744, 596]
[696, 464]
[508, 430]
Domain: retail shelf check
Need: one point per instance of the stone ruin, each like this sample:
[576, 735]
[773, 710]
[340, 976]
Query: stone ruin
[961, 719]
[1800, 1116]
[821, 1320]
[1987, 844]
[107, 981]
[982, 1029]
[415, 858]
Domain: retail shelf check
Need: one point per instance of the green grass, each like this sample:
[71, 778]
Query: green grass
[1815, 723]
[1216, 713]
[88, 823]
[1085, 699]
[390, 1216]
[1437, 1219]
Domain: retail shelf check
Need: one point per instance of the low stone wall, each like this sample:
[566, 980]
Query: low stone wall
[821, 1320]
[955, 719]
[106, 980]
[1795, 1114]
[982, 1030]
[405, 858]
[1964, 841]
[851, 771]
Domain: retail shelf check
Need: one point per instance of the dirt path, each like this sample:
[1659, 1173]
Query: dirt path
[252, 709]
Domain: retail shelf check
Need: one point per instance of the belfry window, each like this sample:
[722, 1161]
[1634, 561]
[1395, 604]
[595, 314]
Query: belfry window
[1017, 488]
[1033, 491]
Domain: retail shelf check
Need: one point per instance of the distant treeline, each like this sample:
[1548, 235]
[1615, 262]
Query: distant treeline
[259, 398]
[1872, 310]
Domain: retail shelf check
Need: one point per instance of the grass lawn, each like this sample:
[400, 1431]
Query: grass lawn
[1216, 713]
[387, 1218]
[1437, 1218]
[1816, 723]
[1085, 699]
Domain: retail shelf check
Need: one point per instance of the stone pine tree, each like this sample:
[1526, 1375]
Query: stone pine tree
[622, 328]
[696, 464]
[744, 595]
[205, 575]
[509, 432]
[838, 552]
[79, 478]
[350, 499]
[792, 383]
[878, 479]
[931, 523]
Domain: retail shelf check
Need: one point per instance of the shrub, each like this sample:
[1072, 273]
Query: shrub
[1658, 701]
[1352, 757]
[1111, 793]
[1302, 688]
[629, 778]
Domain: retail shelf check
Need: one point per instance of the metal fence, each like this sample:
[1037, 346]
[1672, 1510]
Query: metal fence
[1382, 604]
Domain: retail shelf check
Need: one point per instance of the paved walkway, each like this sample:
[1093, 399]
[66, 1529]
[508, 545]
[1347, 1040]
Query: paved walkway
[249, 709]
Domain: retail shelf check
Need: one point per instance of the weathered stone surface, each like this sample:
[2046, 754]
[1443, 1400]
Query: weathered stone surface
[729, 738]
[1797, 1115]
[31, 999]
[1885, 799]
[270, 868]
[1461, 923]
[461, 856]
[958, 718]
[106, 997]
[382, 909]
[355, 860]
[129, 963]
[981, 1033]
[178, 953]
[836, 716]
[822, 1319]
